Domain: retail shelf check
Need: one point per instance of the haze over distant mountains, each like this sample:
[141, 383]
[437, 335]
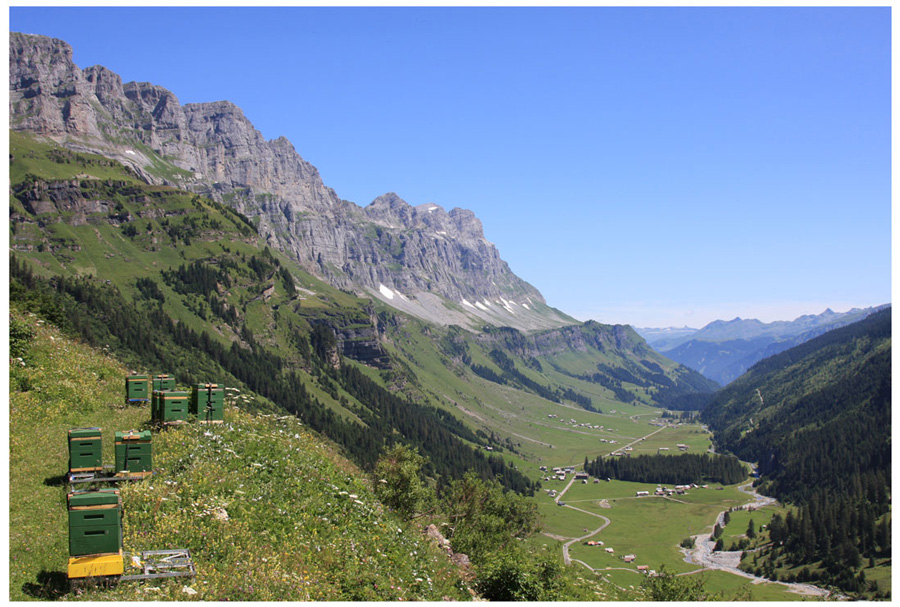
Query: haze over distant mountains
[724, 349]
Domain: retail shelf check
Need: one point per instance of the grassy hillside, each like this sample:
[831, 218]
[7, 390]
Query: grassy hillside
[269, 510]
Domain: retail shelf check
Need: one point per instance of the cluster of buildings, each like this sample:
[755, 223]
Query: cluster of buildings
[676, 490]
[575, 422]
[628, 558]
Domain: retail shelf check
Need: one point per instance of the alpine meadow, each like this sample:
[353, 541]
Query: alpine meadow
[226, 382]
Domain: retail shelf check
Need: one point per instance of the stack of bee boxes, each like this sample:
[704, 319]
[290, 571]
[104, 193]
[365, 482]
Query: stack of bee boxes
[163, 382]
[137, 389]
[134, 453]
[169, 407]
[208, 403]
[85, 450]
[95, 533]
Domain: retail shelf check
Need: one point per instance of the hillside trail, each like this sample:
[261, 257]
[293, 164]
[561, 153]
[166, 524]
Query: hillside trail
[566, 558]
[702, 553]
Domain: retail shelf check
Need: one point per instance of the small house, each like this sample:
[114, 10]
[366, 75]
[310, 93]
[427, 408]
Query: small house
[643, 568]
[609, 550]
[628, 558]
[642, 494]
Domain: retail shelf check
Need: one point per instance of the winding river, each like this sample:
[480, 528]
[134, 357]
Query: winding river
[702, 553]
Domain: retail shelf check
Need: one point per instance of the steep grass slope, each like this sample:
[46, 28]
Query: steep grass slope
[269, 510]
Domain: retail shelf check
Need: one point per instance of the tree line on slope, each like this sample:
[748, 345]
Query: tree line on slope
[824, 446]
[681, 469]
[510, 375]
[147, 337]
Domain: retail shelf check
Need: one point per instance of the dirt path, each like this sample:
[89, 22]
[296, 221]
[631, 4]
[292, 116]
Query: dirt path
[566, 559]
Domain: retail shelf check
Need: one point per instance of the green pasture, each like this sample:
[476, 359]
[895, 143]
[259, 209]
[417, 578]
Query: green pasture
[736, 529]
[727, 587]
[604, 490]
[565, 522]
[650, 527]
[692, 435]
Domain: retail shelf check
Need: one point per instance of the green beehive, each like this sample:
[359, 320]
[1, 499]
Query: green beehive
[137, 388]
[208, 402]
[85, 450]
[163, 382]
[95, 522]
[134, 453]
[171, 406]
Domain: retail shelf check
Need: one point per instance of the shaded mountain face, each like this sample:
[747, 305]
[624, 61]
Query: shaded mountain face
[724, 350]
[829, 396]
[423, 260]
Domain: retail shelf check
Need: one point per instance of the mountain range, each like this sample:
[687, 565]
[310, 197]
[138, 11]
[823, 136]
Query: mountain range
[724, 349]
[425, 260]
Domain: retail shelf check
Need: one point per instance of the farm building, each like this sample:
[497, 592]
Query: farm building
[642, 494]
[629, 558]
[609, 550]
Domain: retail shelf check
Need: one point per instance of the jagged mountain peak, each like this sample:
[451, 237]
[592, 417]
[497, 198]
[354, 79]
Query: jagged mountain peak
[423, 252]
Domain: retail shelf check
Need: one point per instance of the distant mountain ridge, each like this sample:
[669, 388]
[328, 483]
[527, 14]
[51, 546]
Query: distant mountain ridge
[424, 260]
[724, 349]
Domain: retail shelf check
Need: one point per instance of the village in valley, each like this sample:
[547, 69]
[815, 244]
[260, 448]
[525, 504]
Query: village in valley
[624, 531]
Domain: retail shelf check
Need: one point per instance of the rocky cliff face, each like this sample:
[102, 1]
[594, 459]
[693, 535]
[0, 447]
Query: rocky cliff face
[424, 260]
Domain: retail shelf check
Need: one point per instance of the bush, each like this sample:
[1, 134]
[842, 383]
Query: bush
[398, 481]
[484, 518]
[20, 338]
[667, 586]
[513, 576]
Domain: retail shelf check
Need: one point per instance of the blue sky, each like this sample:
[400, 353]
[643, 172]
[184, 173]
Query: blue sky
[649, 166]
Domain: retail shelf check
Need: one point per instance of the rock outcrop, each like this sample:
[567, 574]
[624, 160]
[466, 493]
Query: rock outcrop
[425, 260]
